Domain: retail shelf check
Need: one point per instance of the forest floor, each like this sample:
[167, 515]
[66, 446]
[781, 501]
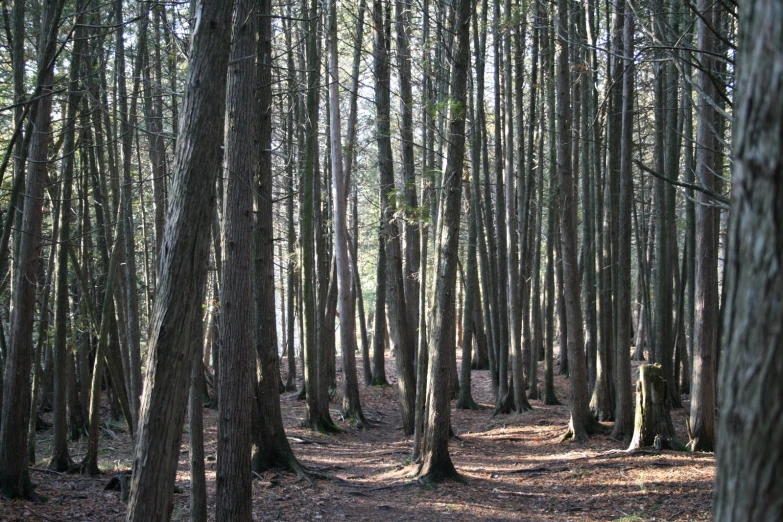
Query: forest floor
[516, 466]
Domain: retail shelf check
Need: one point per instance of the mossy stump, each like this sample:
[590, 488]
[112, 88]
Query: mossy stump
[652, 423]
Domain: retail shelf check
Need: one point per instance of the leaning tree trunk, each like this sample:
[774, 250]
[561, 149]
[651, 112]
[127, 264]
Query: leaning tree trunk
[750, 425]
[175, 325]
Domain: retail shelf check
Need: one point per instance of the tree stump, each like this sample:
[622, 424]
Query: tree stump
[652, 424]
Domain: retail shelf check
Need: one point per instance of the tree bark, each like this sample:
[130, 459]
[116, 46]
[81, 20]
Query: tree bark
[351, 404]
[14, 475]
[705, 331]
[175, 325]
[580, 415]
[271, 447]
[623, 400]
[750, 424]
[402, 332]
[437, 464]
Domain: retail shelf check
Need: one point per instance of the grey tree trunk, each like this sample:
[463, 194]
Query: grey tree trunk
[14, 475]
[749, 456]
[175, 325]
[317, 415]
[580, 414]
[129, 266]
[503, 401]
[271, 447]
[402, 332]
[351, 404]
[436, 464]
[623, 421]
[198, 483]
[61, 459]
[705, 332]
[233, 498]
[379, 325]
[402, 12]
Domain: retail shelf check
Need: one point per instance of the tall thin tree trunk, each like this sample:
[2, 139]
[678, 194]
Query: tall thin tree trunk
[580, 414]
[705, 332]
[436, 464]
[624, 420]
[176, 319]
[14, 475]
[402, 332]
[351, 404]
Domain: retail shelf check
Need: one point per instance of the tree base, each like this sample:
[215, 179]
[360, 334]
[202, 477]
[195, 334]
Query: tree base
[19, 489]
[504, 406]
[524, 405]
[324, 425]
[380, 381]
[652, 422]
[467, 403]
[430, 472]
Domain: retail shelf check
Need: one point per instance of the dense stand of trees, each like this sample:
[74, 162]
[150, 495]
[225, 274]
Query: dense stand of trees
[191, 192]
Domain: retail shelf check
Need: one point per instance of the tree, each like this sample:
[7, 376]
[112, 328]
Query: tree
[402, 332]
[175, 325]
[351, 405]
[61, 459]
[316, 386]
[748, 456]
[623, 422]
[705, 332]
[580, 415]
[14, 475]
[436, 463]
[271, 446]
[233, 499]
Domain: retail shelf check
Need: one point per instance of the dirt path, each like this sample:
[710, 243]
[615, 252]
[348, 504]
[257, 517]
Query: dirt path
[515, 464]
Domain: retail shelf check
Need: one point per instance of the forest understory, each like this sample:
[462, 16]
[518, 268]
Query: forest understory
[516, 468]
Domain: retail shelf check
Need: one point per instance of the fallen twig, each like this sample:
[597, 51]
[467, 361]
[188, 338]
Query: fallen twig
[44, 470]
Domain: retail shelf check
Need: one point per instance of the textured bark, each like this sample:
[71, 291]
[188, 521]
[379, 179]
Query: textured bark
[233, 482]
[580, 415]
[379, 324]
[402, 13]
[175, 325]
[131, 317]
[351, 404]
[198, 483]
[402, 332]
[61, 459]
[750, 425]
[502, 404]
[623, 400]
[465, 397]
[14, 475]
[437, 464]
[705, 331]
[271, 446]
[652, 422]
[317, 414]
